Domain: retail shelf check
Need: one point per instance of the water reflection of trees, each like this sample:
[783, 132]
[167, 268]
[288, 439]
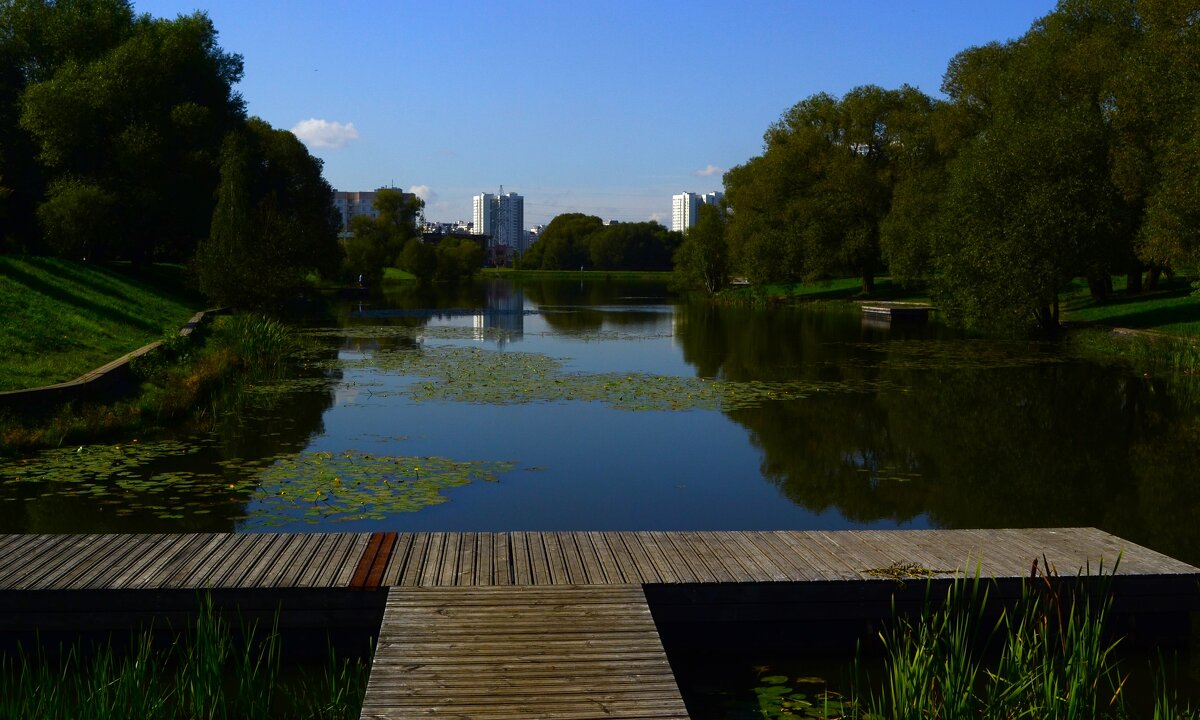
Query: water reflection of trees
[576, 307]
[1050, 444]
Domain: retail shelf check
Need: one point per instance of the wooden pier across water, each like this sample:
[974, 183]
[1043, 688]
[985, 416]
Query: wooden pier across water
[546, 624]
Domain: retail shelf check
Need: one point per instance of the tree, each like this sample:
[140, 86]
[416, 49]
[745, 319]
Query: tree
[813, 203]
[702, 261]
[565, 242]
[378, 242]
[274, 222]
[143, 118]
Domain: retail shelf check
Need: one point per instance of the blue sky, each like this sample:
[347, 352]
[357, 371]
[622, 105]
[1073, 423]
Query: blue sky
[607, 108]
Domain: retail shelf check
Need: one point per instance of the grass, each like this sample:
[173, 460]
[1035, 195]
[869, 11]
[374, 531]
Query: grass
[214, 671]
[60, 319]
[510, 273]
[1172, 309]
[393, 274]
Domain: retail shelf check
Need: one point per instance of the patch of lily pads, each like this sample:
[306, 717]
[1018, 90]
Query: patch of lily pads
[476, 375]
[324, 487]
[309, 487]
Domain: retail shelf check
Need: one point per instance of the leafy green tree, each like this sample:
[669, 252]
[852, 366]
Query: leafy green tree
[565, 242]
[379, 242]
[36, 38]
[458, 259]
[419, 259]
[274, 222]
[143, 118]
[702, 261]
[632, 246]
[813, 203]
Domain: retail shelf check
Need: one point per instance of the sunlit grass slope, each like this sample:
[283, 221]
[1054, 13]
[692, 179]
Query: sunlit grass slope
[59, 319]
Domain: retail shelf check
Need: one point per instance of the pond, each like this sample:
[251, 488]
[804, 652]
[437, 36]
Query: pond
[565, 405]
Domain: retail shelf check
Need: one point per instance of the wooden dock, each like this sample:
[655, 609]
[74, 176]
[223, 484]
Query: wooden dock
[550, 624]
[521, 652]
[897, 311]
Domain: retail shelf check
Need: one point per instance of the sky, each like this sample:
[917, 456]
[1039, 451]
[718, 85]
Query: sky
[605, 107]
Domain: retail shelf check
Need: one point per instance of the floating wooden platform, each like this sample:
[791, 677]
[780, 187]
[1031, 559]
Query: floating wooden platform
[553, 624]
[899, 311]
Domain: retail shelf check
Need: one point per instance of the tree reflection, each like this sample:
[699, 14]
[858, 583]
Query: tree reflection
[1048, 442]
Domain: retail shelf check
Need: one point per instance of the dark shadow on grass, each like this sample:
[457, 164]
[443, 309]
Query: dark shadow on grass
[1159, 316]
[39, 285]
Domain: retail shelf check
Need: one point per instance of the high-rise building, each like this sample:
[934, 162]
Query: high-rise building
[502, 217]
[685, 207]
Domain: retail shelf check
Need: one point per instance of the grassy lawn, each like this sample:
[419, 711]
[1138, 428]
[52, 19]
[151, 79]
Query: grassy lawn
[577, 274]
[59, 319]
[392, 274]
[1171, 309]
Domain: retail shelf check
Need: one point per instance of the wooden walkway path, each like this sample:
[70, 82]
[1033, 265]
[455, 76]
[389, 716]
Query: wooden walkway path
[546, 624]
[340, 560]
[509, 653]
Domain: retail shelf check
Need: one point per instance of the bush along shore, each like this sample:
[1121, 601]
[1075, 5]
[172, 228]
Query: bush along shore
[184, 379]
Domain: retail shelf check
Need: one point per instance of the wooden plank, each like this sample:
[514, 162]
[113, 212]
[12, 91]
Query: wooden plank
[484, 560]
[568, 543]
[400, 559]
[539, 564]
[416, 561]
[542, 651]
[608, 561]
[706, 556]
[502, 559]
[636, 555]
[522, 569]
[448, 572]
[658, 559]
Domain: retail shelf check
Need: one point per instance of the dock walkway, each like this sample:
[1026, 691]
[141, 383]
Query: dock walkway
[547, 624]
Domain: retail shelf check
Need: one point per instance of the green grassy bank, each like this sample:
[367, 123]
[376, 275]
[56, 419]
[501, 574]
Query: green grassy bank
[60, 319]
[832, 290]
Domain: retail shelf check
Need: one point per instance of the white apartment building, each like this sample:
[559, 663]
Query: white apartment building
[686, 206]
[502, 217]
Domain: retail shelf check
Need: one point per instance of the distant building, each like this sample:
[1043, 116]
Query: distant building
[353, 204]
[502, 218]
[686, 206]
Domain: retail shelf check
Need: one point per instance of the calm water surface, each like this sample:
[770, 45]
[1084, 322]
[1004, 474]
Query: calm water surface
[607, 406]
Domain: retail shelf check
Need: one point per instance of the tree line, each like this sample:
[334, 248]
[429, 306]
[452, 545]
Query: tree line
[575, 241]
[122, 138]
[1072, 151]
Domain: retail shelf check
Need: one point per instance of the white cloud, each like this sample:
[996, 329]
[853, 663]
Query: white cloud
[658, 217]
[324, 133]
[424, 192]
[709, 171]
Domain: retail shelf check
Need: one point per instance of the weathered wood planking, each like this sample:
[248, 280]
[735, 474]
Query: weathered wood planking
[598, 558]
[501, 652]
[448, 559]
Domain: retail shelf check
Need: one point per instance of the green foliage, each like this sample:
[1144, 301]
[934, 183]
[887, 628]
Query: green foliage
[574, 241]
[813, 203]
[207, 672]
[702, 261]
[274, 222]
[137, 111]
[457, 259]
[381, 242]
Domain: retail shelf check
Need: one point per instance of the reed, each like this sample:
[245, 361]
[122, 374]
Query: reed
[210, 673]
[1050, 655]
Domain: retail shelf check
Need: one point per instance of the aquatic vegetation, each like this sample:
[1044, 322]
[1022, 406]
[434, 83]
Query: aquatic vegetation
[476, 375]
[332, 487]
[779, 697]
[309, 487]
